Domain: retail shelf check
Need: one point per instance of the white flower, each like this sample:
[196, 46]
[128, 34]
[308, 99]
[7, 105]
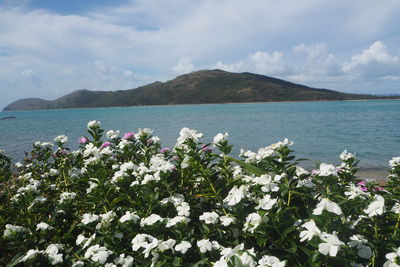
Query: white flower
[253, 220]
[266, 203]
[311, 231]
[111, 134]
[52, 253]
[106, 218]
[18, 165]
[186, 134]
[219, 138]
[183, 209]
[12, 229]
[92, 185]
[143, 132]
[228, 253]
[204, 245]
[88, 218]
[185, 162]
[247, 259]
[93, 124]
[88, 241]
[330, 245]
[359, 241]
[270, 261]
[346, 155]
[183, 247]
[327, 169]
[394, 162]
[124, 261]
[97, 254]
[129, 216]
[126, 166]
[43, 226]
[281, 144]
[355, 191]
[66, 196]
[81, 238]
[164, 245]
[61, 139]
[376, 207]
[144, 241]
[301, 171]
[159, 164]
[396, 208]
[152, 219]
[328, 205]
[235, 195]
[176, 220]
[391, 262]
[209, 217]
[226, 220]
[78, 264]
[221, 263]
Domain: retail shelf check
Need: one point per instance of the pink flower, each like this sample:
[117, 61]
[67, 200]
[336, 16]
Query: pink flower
[206, 148]
[378, 189]
[363, 188]
[164, 150]
[83, 140]
[106, 144]
[361, 183]
[129, 135]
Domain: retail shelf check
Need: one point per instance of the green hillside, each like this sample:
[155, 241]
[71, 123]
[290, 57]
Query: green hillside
[200, 87]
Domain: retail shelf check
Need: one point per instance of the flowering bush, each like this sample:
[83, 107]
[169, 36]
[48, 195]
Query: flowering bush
[125, 201]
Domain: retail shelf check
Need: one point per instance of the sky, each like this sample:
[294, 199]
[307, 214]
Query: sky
[50, 48]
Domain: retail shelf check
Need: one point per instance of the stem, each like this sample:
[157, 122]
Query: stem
[289, 198]
[213, 189]
[397, 225]
[373, 260]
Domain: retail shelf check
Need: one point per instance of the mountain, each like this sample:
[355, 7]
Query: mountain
[200, 87]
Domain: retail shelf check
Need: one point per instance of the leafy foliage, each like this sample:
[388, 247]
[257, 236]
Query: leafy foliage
[127, 201]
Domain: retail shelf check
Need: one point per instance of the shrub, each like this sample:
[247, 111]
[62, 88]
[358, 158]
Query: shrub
[128, 202]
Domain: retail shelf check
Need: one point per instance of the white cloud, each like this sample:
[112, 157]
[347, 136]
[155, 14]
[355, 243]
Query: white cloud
[184, 66]
[128, 73]
[259, 62]
[28, 73]
[376, 55]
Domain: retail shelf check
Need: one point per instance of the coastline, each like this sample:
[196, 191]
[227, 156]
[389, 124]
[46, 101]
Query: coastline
[204, 104]
[379, 175]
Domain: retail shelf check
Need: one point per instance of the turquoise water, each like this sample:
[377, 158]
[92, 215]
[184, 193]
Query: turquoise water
[320, 130]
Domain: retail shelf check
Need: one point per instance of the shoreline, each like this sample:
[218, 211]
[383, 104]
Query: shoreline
[203, 104]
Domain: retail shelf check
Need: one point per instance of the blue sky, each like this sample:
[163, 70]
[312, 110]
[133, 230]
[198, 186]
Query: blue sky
[49, 48]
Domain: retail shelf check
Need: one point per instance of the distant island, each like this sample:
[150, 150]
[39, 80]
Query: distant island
[200, 87]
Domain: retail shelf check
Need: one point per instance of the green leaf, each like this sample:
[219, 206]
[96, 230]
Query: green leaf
[250, 167]
[116, 201]
[15, 260]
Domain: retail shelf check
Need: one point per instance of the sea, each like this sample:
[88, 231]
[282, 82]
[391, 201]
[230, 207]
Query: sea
[320, 130]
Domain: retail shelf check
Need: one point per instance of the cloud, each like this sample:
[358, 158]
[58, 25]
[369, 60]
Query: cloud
[32, 76]
[315, 65]
[260, 62]
[120, 47]
[184, 66]
[374, 61]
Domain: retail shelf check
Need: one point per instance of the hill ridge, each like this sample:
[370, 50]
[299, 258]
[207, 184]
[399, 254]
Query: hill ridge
[199, 87]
